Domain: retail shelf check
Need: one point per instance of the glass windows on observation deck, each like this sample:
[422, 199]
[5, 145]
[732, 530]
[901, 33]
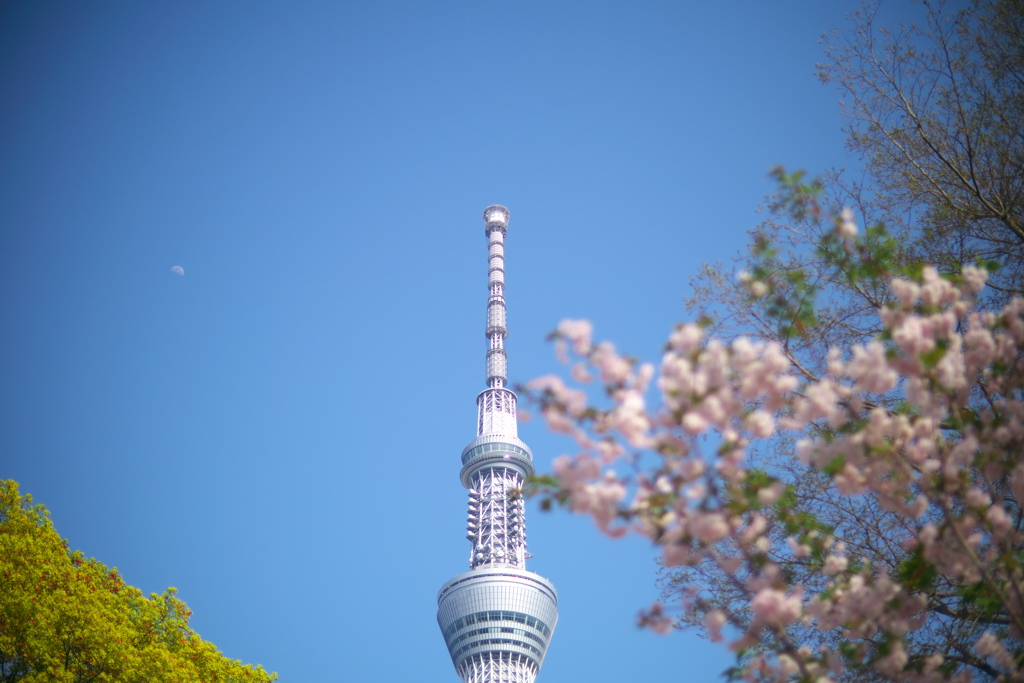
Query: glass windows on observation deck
[497, 615]
[495, 448]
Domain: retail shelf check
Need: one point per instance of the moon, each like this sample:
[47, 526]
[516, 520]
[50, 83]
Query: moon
[177, 270]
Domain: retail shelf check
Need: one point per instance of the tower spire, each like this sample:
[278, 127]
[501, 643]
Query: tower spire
[496, 405]
[497, 618]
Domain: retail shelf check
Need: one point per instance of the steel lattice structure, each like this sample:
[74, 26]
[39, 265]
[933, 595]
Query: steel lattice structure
[497, 618]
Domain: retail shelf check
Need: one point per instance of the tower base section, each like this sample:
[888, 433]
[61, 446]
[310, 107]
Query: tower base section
[498, 668]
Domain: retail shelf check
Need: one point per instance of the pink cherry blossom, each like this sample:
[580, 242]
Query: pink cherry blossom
[578, 333]
[846, 228]
[775, 608]
[944, 467]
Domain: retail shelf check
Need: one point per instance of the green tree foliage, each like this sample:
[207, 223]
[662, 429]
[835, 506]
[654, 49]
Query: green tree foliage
[936, 113]
[67, 618]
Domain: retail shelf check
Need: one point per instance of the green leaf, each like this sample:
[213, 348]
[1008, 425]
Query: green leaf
[916, 573]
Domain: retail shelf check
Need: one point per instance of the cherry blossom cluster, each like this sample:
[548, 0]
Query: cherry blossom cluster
[946, 457]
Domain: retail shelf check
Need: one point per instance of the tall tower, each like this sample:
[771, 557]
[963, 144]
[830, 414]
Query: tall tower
[497, 618]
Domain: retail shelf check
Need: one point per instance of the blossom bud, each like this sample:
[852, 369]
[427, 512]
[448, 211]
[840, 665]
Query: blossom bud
[714, 620]
[846, 228]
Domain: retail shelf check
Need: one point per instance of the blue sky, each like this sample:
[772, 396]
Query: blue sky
[277, 432]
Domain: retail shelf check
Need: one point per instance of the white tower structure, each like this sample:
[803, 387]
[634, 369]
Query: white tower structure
[497, 618]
